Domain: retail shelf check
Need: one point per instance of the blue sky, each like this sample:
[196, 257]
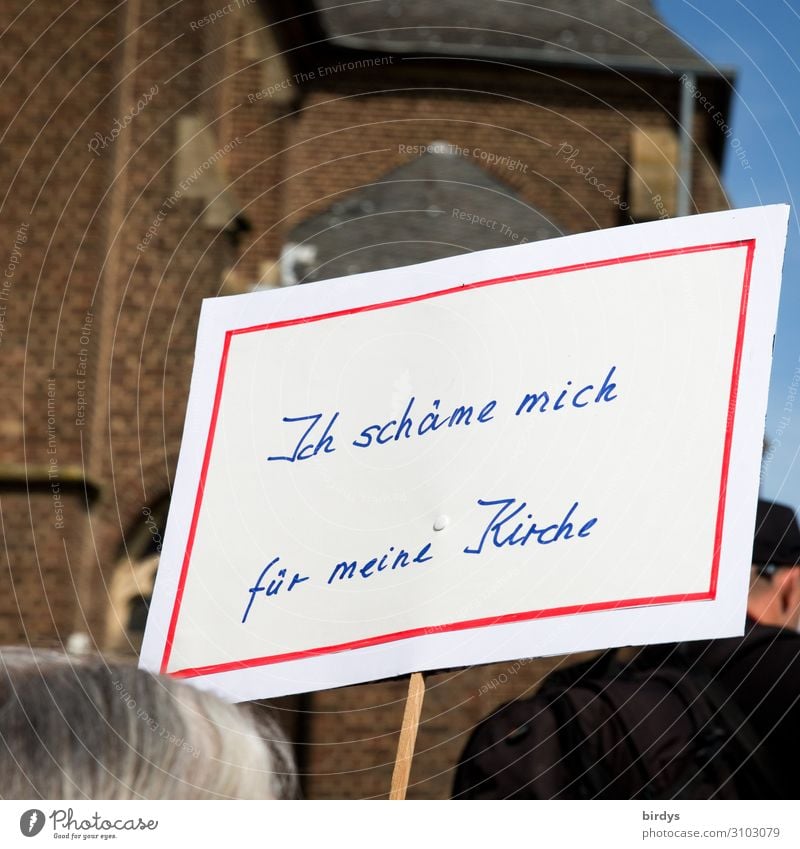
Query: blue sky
[760, 38]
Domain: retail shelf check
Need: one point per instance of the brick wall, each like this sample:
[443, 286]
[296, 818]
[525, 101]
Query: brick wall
[52, 186]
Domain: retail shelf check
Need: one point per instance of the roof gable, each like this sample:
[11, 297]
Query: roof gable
[596, 32]
[437, 205]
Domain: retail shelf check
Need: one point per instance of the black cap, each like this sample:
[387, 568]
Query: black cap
[777, 540]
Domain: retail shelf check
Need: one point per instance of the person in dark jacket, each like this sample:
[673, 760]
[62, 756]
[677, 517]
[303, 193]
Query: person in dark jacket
[707, 719]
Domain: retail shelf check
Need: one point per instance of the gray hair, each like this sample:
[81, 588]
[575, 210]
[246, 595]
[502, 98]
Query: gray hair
[87, 727]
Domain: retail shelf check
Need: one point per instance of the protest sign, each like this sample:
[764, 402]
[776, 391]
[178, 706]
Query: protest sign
[526, 451]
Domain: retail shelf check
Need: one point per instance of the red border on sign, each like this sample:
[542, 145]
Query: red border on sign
[495, 620]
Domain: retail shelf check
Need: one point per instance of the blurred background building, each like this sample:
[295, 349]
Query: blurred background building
[154, 155]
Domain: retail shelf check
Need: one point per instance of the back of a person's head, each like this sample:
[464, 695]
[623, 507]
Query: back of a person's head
[98, 729]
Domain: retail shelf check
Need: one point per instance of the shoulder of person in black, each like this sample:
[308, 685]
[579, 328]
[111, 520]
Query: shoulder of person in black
[761, 672]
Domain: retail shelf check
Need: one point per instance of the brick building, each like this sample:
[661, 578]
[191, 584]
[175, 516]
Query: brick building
[153, 156]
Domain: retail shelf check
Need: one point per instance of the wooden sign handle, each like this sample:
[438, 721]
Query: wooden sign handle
[408, 736]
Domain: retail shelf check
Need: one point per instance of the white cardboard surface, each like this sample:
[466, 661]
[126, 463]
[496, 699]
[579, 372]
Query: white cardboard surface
[656, 337]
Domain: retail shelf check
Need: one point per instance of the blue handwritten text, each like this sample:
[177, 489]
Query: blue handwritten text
[508, 527]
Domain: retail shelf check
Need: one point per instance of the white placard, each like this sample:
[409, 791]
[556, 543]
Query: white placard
[526, 451]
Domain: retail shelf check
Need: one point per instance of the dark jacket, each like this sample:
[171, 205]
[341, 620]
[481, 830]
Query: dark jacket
[713, 719]
[761, 672]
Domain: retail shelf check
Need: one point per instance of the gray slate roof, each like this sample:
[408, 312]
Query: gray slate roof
[618, 33]
[413, 214]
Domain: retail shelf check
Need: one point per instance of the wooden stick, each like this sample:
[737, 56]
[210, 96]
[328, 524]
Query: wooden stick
[408, 736]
